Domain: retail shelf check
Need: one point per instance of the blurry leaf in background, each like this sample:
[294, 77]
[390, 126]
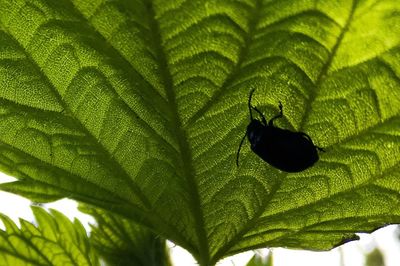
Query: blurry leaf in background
[55, 241]
[374, 258]
[259, 260]
[121, 242]
[139, 106]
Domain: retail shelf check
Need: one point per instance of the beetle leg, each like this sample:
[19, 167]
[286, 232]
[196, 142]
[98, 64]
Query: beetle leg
[262, 116]
[238, 152]
[306, 136]
[271, 122]
[320, 149]
[309, 138]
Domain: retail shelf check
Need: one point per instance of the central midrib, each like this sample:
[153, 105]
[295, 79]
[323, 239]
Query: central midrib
[188, 170]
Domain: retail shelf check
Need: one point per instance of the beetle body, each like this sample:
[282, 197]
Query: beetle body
[286, 150]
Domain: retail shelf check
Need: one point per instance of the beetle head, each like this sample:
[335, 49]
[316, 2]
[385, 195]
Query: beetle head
[254, 130]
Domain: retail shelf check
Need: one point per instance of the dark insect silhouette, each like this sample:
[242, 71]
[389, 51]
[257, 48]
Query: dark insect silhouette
[286, 150]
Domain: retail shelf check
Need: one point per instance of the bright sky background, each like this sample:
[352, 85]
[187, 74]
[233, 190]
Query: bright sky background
[352, 253]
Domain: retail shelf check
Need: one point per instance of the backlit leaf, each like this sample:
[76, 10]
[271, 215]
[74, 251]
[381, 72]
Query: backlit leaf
[54, 241]
[139, 106]
[120, 241]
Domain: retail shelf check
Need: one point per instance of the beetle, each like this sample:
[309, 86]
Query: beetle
[287, 150]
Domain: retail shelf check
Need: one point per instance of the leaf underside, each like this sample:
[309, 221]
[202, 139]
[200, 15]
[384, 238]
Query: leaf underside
[139, 106]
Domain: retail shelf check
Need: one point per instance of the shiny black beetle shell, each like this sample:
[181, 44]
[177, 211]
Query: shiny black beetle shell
[286, 150]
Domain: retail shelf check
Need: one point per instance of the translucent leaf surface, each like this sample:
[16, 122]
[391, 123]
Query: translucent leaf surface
[120, 241]
[54, 241]
[139, 107]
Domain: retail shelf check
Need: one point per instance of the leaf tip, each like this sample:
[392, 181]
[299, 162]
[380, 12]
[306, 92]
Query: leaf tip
[345, 240]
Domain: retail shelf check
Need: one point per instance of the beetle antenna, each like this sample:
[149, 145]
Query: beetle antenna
[238, 152]
[249, 103]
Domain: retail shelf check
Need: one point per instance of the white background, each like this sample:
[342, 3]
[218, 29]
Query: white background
[352, 254]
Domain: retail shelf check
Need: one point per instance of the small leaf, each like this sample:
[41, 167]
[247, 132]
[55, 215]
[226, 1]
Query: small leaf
[258, 260]
[122, 242]
[374, 258]
[55, 241]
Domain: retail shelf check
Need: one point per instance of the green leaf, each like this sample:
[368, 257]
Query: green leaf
[120, 241]
[374, 258]
[54, 241]
[139, 106]
[258, 260]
